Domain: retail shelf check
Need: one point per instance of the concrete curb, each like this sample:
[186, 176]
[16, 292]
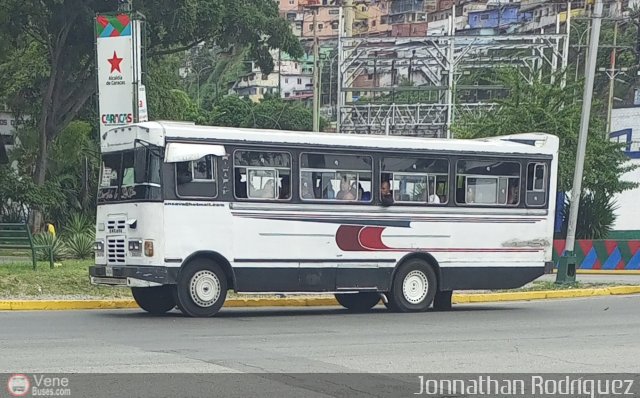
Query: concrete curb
[605, 272]
[544, 294]
[460, 298]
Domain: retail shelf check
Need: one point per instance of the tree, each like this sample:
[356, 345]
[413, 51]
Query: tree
[270, 113]
[73, 170]
[549, 109]
[57, 38]
[545, 108]
[275, 113]
[232, 111]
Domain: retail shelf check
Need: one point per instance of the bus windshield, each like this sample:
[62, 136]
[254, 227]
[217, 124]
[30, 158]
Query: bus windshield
[131, 175]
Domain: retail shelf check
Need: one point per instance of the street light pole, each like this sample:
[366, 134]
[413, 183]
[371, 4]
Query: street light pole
[316, 74]
[613, 67]
[565, 48]
[567, 265]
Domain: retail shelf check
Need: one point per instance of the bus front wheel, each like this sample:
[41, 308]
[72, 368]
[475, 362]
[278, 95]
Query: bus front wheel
[358, 302]
[414, 287]
[154, 300]
[201, 289]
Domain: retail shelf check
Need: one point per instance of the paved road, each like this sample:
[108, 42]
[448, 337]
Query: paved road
[574, 335]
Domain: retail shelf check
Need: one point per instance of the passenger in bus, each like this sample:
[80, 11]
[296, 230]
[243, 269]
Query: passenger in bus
[433, 198]
[347, 192]
[386, 194]
[362, 195]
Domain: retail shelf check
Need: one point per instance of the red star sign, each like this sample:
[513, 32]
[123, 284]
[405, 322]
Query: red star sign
[115, 63]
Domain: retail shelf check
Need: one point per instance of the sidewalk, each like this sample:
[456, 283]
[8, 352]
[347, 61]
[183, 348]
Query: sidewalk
[621, 277]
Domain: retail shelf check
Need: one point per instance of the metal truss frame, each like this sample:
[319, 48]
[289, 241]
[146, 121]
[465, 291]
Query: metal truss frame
[442, 61]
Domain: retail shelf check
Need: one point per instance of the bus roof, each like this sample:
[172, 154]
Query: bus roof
[528, 143]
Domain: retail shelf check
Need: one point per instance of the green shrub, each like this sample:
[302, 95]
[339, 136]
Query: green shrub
[79, 224]
[80, 246]
[596, 216]
[53, 244]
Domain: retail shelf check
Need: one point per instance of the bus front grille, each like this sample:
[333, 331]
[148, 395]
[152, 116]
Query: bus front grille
[115, 250]
[116, 225]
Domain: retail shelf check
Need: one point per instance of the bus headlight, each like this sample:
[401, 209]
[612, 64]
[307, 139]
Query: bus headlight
[135, 247]
[148, 248]
[98, 248]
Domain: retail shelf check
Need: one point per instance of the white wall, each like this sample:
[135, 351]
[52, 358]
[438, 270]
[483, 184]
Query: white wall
[629, 201]
[290, 84]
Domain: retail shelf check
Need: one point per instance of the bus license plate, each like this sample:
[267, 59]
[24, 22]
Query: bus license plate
[108, 271]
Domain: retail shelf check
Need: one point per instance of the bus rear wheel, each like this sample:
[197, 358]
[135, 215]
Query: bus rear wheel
[154, 300]
[414, 287]
[358, 302]
[201, 289]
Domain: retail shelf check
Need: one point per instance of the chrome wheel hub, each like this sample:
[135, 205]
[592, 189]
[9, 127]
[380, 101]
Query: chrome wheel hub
[205, 288]
[415, 287]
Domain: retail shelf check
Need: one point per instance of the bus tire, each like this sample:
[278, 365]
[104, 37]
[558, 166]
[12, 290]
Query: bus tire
[414, 287]
[358, 302]
[155, 300]
[201, 289]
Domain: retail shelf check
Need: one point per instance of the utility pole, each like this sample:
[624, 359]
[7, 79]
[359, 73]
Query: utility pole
[612, 73]
[565, 47]
[280, 73]
[316, 74]
[319, 104]
[567, 264]
[450, 72]
[348, 32]
[339, 97]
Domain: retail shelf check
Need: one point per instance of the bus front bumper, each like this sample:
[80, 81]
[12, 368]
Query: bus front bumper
[132, 275]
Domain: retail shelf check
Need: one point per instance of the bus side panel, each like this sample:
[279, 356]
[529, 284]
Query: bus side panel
[196, 226]
[468, 278]
[274, 245]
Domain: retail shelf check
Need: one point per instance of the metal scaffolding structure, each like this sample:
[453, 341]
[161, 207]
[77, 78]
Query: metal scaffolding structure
[438, 71]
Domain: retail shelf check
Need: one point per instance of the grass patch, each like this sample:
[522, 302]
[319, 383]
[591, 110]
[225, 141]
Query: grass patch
[549, 285]
[15, 253]
[69, 280]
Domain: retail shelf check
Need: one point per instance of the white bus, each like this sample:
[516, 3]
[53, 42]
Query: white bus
[187, 212]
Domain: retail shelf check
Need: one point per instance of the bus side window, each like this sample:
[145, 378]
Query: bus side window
[488, 183]
[536, 184]
[197, 179]
[335, 177]
[262, 175]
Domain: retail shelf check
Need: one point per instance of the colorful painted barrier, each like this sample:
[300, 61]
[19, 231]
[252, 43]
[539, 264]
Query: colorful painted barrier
[612, 254]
